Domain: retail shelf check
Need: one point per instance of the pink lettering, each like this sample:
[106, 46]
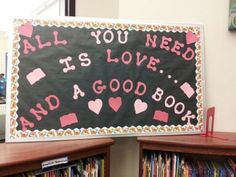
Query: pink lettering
[140, 85]
[25, 123]
[125, 36]
[56, 40]
[96, 35]
[152, 63]
[188, 54]
[176, 48]
[98, 87]
[37, 113]
[108, 33]
[114, 89]
[85, 61]
[77, 92]
[165, 42]
[151, 40]
[28, 46]
[127, 90]
[50, 99]
[129, 58]
[109, 59]
[40, 44]
[68, 67]
[139, 62]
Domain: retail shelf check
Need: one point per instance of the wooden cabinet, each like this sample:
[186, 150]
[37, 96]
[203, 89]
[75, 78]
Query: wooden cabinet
[222, 145]
[22, 157]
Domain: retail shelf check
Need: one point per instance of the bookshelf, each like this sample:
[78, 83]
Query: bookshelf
[222, 145]
[22, 157]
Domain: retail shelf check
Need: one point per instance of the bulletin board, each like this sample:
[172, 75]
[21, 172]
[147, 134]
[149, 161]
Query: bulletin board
[87, 78]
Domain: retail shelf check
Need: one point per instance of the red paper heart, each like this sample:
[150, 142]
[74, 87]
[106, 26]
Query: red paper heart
[26, 29]
[191, 37]
[115, 103]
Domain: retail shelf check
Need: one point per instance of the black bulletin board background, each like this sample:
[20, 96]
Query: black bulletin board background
[61, 84]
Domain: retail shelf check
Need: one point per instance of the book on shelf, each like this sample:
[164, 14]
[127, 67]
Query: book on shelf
[89, 167]
[166, 164]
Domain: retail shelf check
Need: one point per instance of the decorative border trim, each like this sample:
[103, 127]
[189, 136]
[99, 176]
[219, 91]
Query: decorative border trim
[89, 132]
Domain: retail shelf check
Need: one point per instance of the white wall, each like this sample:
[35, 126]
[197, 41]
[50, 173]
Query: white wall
[97, 8]
[3, 49]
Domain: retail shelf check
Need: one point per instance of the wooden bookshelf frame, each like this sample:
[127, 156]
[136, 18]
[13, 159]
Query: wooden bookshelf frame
[22, 157]
[222, 144]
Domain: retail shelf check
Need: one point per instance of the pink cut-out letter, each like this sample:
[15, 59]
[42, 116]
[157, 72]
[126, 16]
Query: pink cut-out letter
[164, 43]
[98, 87]
[40, 44]
[85, 61]
[56, 40]
[35, 76]
[189, 54]
[152, 63]
[188, 116]
[157, 96]
[128, 58]
[176, 48]
[77, 92]
[114, 89]
[139, 62]
[68, 67]
[169, 101]
[105, 38]
[52, 99]
[127, 90]
[68, 119]
[25, 123]
[125, 38]
[28, 46]
[40, 110]
[109, 59]
[96, 36]
[152, 40]
[138, 88]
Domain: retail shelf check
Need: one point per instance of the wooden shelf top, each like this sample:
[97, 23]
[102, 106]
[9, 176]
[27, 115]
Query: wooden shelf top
[19, 153]
[221, 144]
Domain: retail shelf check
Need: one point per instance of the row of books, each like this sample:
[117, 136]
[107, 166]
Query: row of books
[166, 164]
[90, 167]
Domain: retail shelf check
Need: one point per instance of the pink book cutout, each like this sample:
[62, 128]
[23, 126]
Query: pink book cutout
[187, 89]
[68, 119]
[161, 116]
[35, 76]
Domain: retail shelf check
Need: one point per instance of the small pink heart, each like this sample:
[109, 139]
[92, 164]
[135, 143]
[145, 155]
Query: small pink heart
[115, 103]
[95, 106]
[140, 106]
[26, 29]
[191, 37]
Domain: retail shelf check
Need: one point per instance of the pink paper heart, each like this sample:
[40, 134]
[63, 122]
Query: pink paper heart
[191, 37]
[95, 106]
[140, 106]
[26, 29]
[115, 103]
